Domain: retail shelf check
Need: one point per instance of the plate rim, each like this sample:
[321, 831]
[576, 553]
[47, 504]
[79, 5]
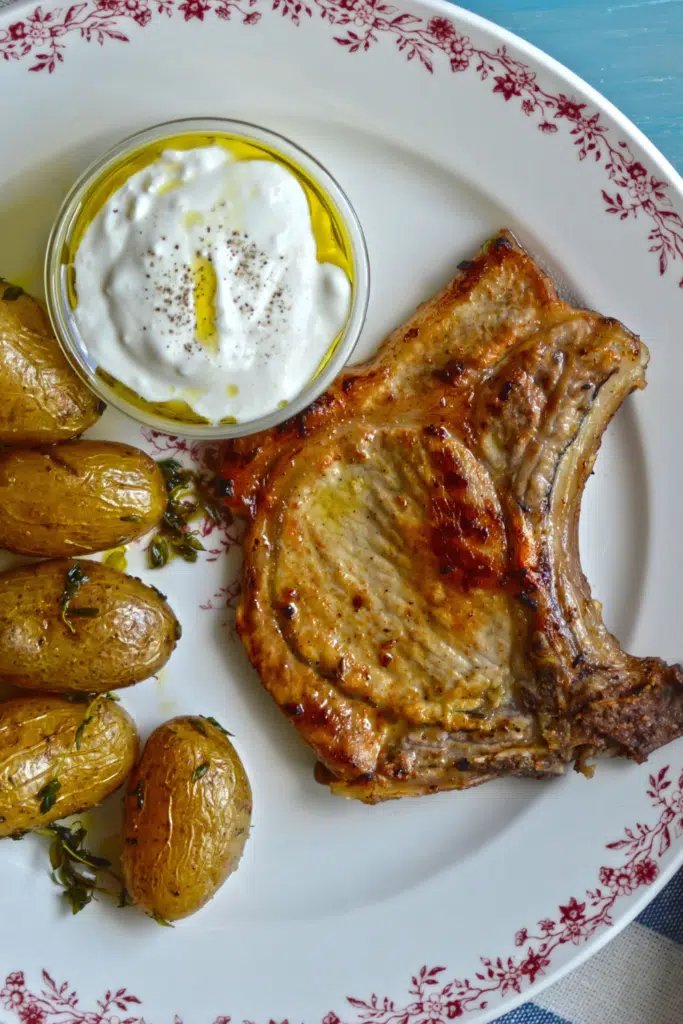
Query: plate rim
[674, 180]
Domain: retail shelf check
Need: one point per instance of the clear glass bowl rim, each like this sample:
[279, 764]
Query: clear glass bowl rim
[67, 217]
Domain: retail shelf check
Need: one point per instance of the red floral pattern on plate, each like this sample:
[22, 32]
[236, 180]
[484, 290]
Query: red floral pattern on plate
[58, 1004]
[434, 996]
[167, 446]
[358, 26]
[225, 597]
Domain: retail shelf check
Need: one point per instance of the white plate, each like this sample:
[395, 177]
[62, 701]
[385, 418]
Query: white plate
[441, 128]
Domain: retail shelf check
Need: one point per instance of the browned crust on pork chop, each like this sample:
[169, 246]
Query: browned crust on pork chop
[412, 592]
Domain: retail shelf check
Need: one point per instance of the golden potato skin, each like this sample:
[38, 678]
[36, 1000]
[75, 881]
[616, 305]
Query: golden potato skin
[39, 744]
[77, 497]
[132, 636]
[43, 399]
[186, 818]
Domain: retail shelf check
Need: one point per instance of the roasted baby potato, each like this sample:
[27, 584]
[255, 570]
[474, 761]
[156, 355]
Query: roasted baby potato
[74, 625]
[187, 816]
[77, 497]
[43, 399]
[60, 757]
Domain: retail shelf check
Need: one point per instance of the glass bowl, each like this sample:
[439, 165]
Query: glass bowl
[59, 290]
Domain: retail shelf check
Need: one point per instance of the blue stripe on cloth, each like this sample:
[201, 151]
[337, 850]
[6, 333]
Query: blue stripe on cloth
[531, 1014]
[665, 913]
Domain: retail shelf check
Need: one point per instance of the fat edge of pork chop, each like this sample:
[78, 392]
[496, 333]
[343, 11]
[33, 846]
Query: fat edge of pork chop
[412, 591]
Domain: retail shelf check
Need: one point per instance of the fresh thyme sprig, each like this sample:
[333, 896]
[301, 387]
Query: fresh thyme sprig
[79, 872]
[188, 499]
[74, 580]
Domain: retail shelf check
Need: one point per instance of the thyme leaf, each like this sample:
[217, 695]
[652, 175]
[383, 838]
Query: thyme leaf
[189, 497]
[160, 920]
[88, 716]
[78, 738]
[47, 796]
[76, 869]
[200, 771]
[213, 512]
[217, 725]
[174, 517]
[187, 547]
[158, 552]
[175, 475]
[74, 580]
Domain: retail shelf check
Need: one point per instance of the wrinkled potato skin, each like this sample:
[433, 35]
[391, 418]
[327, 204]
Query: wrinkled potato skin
[131, 638]
[77, 498]
[38, 743]
[43, 399]
[188, 835]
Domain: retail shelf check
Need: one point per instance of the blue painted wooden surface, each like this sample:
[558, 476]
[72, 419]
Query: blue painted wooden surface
[631, 50]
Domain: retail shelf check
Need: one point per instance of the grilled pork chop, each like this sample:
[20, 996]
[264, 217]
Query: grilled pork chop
[412, 592]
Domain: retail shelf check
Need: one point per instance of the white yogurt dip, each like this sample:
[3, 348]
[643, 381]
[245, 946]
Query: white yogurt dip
[199, 280]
